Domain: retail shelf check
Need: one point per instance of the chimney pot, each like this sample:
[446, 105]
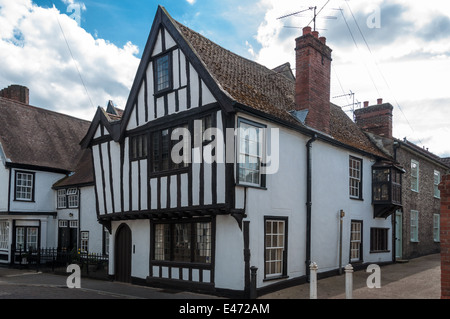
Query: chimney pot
[366, 103]
[323, 40]
[380, 101]
[306, 30]
[315, 34]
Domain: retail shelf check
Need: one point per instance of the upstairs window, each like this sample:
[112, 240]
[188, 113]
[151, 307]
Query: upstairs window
[24, 186]
[437, 180]
[138, 147]
[355, 177]
[414, 175]
[161, 150]
[250, 153]
[163, 81]
[68, 198]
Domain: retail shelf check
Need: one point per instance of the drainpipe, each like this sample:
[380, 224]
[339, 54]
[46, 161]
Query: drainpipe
[308, 204]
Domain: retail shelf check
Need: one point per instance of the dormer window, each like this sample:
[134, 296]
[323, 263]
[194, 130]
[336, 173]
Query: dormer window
[163, 78]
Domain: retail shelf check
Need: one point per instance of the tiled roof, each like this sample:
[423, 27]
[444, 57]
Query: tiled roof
[260, 88]
[33, 136]
[83, 173]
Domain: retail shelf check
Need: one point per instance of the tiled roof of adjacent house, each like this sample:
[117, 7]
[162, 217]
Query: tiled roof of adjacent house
[269, 91]
[38, 137]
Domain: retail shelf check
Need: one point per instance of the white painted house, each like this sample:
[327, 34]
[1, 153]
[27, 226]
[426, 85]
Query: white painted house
[202, 224]
[40, 149]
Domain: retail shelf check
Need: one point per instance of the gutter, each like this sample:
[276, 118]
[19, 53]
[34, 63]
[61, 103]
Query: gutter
[308, 203]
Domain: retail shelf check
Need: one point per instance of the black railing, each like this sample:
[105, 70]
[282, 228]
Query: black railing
[57, 260]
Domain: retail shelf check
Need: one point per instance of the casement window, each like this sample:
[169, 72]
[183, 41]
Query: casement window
[250, 153]
[161, 147]
[84, 241]
[355, 241]
[24, 186]
[68, 198]
[414, 175]
[378, 240]
[162, 73]
[414, 226]
[436, 227]
[27, 238]
[4, 235]
[355, 177]
[183, 242]
[437, 180]
[275, 264]
[138, 147]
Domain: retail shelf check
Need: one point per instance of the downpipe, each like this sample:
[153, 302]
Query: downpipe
[308, 204]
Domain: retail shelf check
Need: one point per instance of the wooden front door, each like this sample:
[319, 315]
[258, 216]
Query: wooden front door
[123, 253]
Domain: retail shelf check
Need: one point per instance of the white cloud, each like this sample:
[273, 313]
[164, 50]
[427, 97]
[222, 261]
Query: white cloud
[409, 59]
[34, 53]
[191, 2]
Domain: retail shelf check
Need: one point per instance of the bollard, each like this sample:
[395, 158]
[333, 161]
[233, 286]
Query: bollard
[253, 293]
[313, 281]
[349, 281]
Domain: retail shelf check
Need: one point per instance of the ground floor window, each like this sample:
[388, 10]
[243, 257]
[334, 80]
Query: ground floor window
[27, 238]
[378, 239]
[4, 235]
[436, 227]
[275, 247]
[355, 241]
[84, 242]
[183, 241]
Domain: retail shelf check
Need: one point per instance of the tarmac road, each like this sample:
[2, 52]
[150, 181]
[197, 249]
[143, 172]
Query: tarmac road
[417, 279]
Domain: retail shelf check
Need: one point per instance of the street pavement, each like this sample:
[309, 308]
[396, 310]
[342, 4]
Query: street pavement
[418, 278]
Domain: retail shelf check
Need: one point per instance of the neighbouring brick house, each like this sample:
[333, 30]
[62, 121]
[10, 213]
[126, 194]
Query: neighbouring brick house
[444, 188]
[417, 223]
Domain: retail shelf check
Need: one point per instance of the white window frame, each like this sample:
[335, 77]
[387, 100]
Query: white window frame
[72, 198]
[250, 158]
[275, 245]
[414, 226]
[415, 175]
[24, 186]
[437, 180]
[84, 241]
[355, 240]
[436, 227]
[4, 234]
[61, 198]
[355, 177]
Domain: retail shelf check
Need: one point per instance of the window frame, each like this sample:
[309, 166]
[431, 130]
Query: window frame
[360, 245]
[156, 76]
[84, 241]
[436, 228]
[134, 153]
[71, 198]
[359, 180]
[26, 237]
[32, 187]
[414, 226]
[436, 191]
[170, 256]
[415, 176]
[379, 242]
[260, 147]
[284, 253]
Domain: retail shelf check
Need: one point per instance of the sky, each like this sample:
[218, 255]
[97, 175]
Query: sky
[75, 55]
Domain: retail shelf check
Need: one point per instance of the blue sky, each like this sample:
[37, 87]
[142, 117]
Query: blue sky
[392, 49]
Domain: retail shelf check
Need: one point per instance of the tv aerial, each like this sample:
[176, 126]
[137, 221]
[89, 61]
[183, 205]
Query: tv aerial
[315, 14]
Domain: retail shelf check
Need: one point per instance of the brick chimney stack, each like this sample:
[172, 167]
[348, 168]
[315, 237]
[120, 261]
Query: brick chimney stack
[16, 92]
[376, 119]
[312, 88]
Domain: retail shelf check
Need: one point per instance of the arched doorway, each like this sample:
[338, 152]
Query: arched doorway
[122, 259]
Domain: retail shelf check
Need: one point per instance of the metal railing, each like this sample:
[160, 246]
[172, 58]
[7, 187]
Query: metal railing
[57, 260]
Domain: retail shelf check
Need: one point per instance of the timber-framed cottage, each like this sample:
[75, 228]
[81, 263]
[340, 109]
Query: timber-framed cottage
[235, 200]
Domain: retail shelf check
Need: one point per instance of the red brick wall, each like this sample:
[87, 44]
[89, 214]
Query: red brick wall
[444, 187]
[376, 119]
[313, 69]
